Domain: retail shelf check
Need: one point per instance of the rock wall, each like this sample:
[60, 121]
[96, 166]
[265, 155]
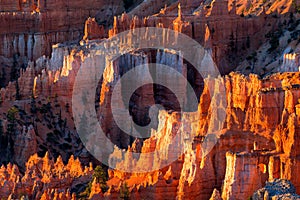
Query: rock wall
[261, 116]
[44, 178]
[261, 126]
[256, 149]
[229, 31]
[244, 173]
[276, 189]
[44, 25]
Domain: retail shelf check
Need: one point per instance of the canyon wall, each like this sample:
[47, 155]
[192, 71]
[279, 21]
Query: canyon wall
[48, 23]
[232, 36]
[261, 118]
[260, 129]
[257, 138]
[291, 62]
[244, 151]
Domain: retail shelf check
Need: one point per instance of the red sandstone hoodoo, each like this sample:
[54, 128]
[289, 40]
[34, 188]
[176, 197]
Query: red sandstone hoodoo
[42, 154]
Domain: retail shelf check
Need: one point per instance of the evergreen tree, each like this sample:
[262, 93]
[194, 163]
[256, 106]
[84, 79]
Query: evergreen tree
[124, 192]
[101, 177]
[18, 96]
[11, 117]
[82, 129]
[1, 128]
[33, 105]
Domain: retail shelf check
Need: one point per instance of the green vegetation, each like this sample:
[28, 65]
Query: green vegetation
[252, 57]
[248, 42]
[124, 192]
[18, 96]
[82, 129]
[45, 108]
[242, 13]
[297, 7]
[232, 43]
[274, 43]
[33, 108]
[67, 107]
[11, 117]
[1, 128]
[274, 40]
[14, 73]
[2, 78]
[11, 114]
[101, 177]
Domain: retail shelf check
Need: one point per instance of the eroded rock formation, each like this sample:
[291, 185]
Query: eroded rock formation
[277, 189]
[254, 122]
[260, 155]
[43, 178]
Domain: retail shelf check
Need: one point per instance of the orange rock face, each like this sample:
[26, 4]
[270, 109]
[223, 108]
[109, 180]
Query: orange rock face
[47, 23]
[92, 30]
[256, 151]
[228, 29]
[261, 121]
[257, 142]
[43, 178]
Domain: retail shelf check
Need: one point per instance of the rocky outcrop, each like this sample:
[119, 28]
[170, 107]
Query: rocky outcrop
[237, 37]
[261, 118]
[276, 189]
[44, 25]
[18, 143]
[244, 174]
[257, 7]
[44, 178]
[215, 195]
[148, 8]
[24, 145]
[30, 28]
[257, 135]
[92, 30]
[255, 154]
[291, 63]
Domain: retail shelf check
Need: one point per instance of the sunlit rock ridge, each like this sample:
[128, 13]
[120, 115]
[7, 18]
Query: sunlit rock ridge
[254, 44]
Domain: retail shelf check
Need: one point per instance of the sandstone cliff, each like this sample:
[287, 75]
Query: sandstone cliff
[248, 129]
[257, 140]
[43, 178]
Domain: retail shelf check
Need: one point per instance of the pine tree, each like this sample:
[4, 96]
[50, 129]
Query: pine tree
[82, 129]
[101, 177]
[11, 117]
[124, 192]
[33, 105]
[1, 128]
[18, 96]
